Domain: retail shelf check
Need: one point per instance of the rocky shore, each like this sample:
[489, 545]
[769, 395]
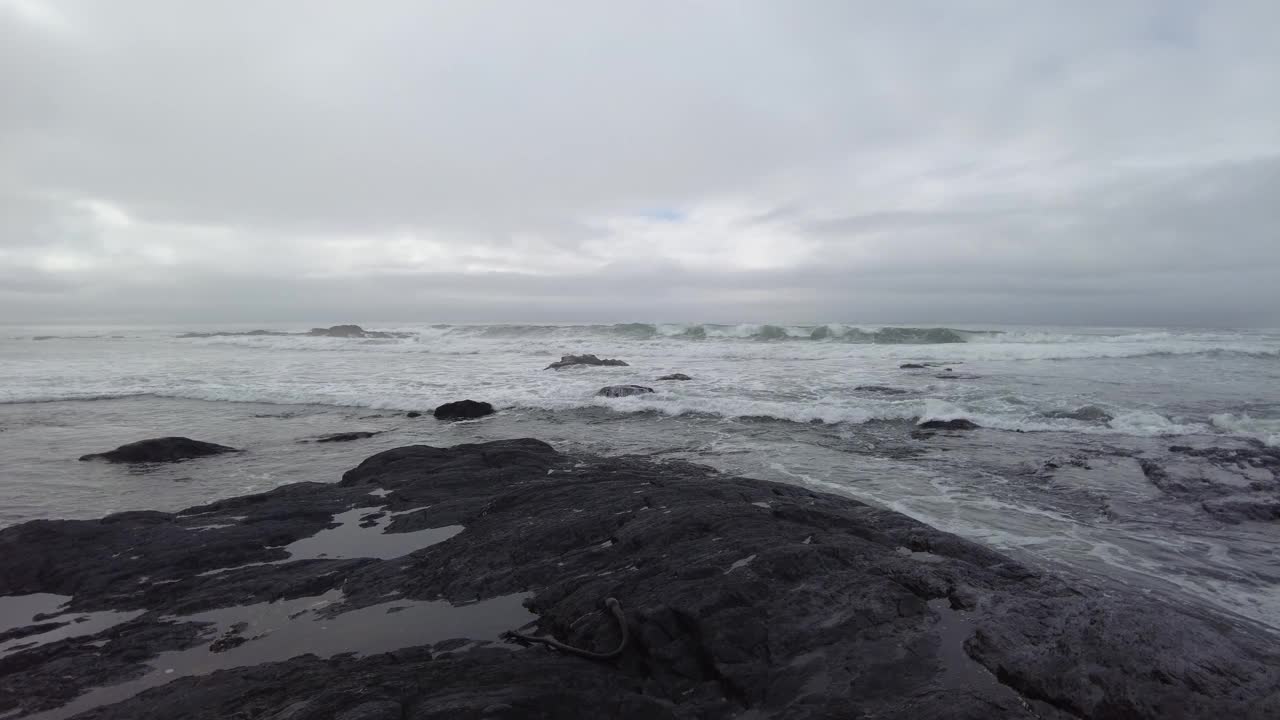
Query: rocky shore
[387, 594]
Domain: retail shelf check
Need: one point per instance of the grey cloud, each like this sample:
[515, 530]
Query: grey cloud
[911, 162]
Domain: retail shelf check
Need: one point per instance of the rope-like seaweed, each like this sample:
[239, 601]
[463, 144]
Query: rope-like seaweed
[612, 604]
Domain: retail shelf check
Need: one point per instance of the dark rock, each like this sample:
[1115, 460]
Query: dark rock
[1235, 484]
[675, 376]
[957, 424]
[413, 414]
[463, 410]
[232, 638]
[882, 389]
[575, 360]
[353, 331]
[1087, 413]
[912, 366]
[741, 597]
[156, 450]
[617, 391]
[346, 436]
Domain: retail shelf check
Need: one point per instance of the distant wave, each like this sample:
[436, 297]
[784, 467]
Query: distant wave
[708, 331]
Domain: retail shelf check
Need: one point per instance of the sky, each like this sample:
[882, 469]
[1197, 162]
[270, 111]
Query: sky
[929, 161]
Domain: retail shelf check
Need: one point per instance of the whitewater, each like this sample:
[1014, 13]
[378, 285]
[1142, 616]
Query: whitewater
[1072, 421]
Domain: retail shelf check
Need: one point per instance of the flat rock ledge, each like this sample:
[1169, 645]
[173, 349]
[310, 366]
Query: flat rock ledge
[742, 598]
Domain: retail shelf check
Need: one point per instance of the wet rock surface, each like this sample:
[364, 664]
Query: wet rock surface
[617, 391]
[463, 410]
[1232, 484]
[741, 596]
[575, 360]
[346, 436]
[155, 450]
[1087, 413]
[675, 376]
[957, 424]
[881, 390]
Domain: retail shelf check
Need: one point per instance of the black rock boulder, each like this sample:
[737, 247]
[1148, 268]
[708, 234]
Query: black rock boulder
[157, 450]
[463, 410]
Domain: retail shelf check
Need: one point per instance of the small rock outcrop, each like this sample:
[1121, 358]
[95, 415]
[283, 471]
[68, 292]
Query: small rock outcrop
[413, 414]
[574, 360]
[353, 331]
[617, 391]
[1233, 484]
[1088, 413]
[157, 450]
[957, 424]
[675, 376]
[346, 436]
[882, 389]
[912, 366]
[463, 410]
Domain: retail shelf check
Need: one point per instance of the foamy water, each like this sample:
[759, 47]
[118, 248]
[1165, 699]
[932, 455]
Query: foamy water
[777, 402]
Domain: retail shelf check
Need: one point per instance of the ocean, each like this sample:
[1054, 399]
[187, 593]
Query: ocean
[1059, 473]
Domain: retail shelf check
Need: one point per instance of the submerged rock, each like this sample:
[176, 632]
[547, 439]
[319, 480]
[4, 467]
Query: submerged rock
[413, 414]
[157, 450]
[574, 360]
[463, 410]
[346, 436]
[740, 597]
[957, 424]
[912, 366]
[1233, 484]
[882, 389]
[1087, 413]
[617, 391]
[675, 376]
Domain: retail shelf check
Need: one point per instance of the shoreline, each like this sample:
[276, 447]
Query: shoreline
[703, 563]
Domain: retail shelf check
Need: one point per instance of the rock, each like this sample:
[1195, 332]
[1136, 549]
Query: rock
[346, 436]
[957, 424]
[1233, 484]
[1086, 413]
[741, 598]
[882, 389]
[463, 410]
[574, 360]
[413, 414]
[675, 376]
[353, 331]
[1258, 506]
[156, 450]
[912, 366]
[617, 391]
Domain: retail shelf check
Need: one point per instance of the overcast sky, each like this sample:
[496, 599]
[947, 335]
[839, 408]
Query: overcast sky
[917, 162]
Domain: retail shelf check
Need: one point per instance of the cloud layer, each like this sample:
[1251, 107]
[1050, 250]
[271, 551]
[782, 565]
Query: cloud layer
[879, 162]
